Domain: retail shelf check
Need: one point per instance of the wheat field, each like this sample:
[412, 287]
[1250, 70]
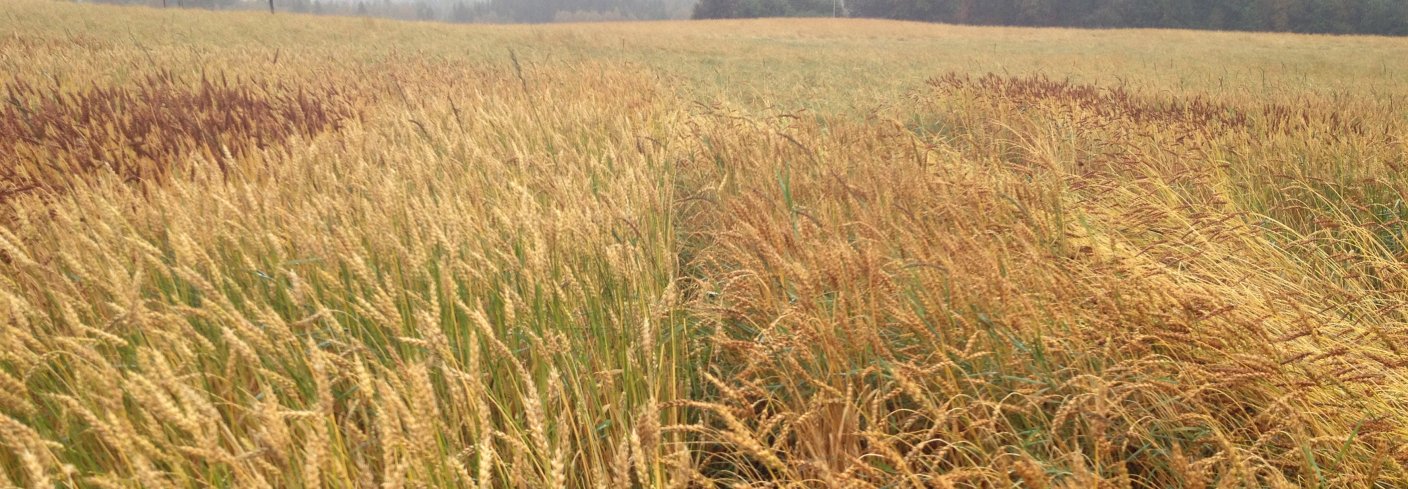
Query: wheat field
[243, 250]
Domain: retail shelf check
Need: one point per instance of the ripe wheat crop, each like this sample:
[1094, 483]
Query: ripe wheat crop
[243, 250]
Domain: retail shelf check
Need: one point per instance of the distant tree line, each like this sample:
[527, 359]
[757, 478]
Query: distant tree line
[552, 10]
[735, 9]
[1313, 16]
[1388, 17]
[455, 10]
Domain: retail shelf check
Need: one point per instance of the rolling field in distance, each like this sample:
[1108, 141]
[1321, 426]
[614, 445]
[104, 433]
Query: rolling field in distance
[251, 250]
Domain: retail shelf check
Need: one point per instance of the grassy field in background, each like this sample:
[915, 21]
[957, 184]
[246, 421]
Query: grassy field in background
[243, 250]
